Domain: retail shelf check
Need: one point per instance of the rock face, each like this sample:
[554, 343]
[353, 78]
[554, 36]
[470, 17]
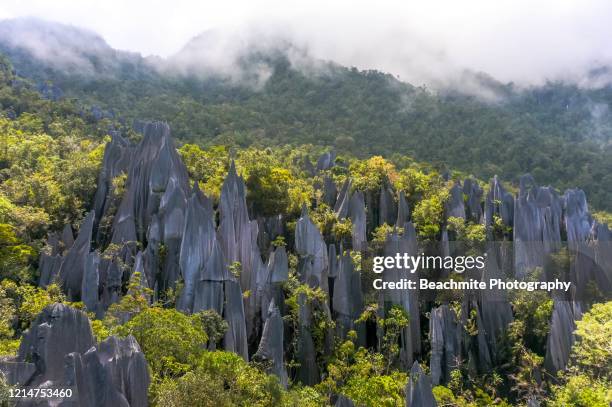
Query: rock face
[410, 342]
[445, 338]
[310, 246]
[73, 266]
[63, 354]
[308, 371]
[357, 215]
[386, 206]
[403, 211]
[499, 203]
[326, 161]
[116, 161]
[198, 239]
[418, 389]
[473, 193]
[537, 221]
[347, 299]
[271, 344]
[454, 206]
[561, 336]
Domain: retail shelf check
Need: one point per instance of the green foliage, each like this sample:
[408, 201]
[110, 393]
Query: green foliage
[428, 215]
[14, 255]
[268, 190]
[171, 341]
[57, 175]
[208, 167]
[379, 236]
[4, 391]
[581, 391]
[394, 321]
[214, 325]
[363, 376]
[21, 303]
[371, 174]
[526, 338]
[592, 351]
[220, 379]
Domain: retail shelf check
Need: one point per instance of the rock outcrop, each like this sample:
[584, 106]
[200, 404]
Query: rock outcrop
[63, 354]
[418, 389]
[445, 334]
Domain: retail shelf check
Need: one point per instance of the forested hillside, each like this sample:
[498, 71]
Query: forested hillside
[558, 132]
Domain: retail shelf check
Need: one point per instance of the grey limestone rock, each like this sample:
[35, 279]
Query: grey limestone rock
[347, 298]
[419, 390]
[408, 300]
[73, 266]
[311, 248]
[90, 282]
[357, 214]
[386, 206]
[57, 331]
[330, 191]
[49, 267]
[326, 161]
[307, 372]
[537, 220]
[235, 339]
[271, 344]
[473, 192]
[117, 155]
[499, 203]
[445, 334]
[343, 401]
[198, 238]
[403, 211]
[454, 206]
[342, 201]
[561, 335]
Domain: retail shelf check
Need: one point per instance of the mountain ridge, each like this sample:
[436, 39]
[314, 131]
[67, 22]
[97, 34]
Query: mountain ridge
[560, 132]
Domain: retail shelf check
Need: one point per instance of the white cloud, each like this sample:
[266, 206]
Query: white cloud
[423, 42]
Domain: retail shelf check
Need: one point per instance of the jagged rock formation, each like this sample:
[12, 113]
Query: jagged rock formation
[410, 337]
[499, 203]
[152, 222]
[342, 201]
[72, 270]
[473, 193]
[418, 389]
[326, 161]
[561, 336]
[343, 401]
[330, 191]
[308, 371]
[196, 248]
[537, 220]
[310, 246]
[63, 353]
[445, 337]
[271, 344]
[386, 206]
[357, 215]
[493, 309]
[454, 206]
[347, 299]
[403, 211]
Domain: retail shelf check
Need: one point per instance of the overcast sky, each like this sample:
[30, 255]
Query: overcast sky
[521, 41]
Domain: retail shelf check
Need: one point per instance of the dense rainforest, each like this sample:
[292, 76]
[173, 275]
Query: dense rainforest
[559, 132]
[233, 264]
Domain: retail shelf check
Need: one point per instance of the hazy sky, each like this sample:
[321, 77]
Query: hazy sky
[522, 41]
